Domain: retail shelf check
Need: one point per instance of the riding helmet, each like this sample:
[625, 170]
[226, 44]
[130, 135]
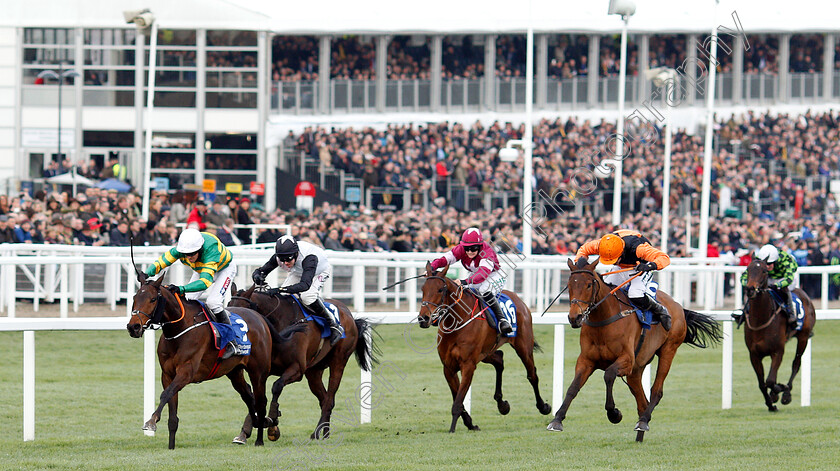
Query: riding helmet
[769, 253]
[610, 249]
[190, 241]
[285, 247]
[472, 236]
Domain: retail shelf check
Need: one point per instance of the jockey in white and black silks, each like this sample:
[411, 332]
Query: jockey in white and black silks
[480, 259]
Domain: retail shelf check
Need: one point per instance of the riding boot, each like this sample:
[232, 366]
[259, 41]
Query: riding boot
[658, 310]
[791, 310]
[320, 310]
[232, 348]
[501, 322]
[738, 318]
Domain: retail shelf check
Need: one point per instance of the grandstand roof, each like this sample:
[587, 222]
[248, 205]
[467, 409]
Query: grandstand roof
[501, 16]
[431, 16]
[174, 14]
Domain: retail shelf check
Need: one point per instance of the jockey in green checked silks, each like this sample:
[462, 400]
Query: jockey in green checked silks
[214, 271]
[782, 267]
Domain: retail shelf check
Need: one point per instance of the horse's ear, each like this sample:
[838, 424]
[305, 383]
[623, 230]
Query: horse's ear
[250, 291]
[445, 269]
[158, 282]
[233, 287]
[142, 277]
[594, 264]
[570, 263]
[429, 269]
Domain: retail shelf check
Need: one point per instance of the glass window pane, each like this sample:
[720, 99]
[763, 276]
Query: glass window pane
[230, 161]
[173, 140]
[173, 99]
[111, 37]
[121, 78]
[232, 100]
[172, 160]
[231, 38]
[173, 58]
[218, 79]
[230, 141]
[176, 180]
[231, 59]
[108, 138]
[48, 36]
[109, 57]
[173, 78]
[48, 55]
[99, 97]
[169, 37]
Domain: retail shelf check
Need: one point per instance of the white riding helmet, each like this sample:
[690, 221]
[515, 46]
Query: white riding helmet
[190, 241]
[769, 253]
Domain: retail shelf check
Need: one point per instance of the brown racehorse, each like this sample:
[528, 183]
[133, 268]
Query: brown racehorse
[767, 332]
[307, 354]
[612, 339]
[187, 354]
[464, 339]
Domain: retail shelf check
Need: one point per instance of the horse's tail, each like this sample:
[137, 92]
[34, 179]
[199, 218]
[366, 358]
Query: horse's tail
[367, 354]
[537, 347]
[701, 329]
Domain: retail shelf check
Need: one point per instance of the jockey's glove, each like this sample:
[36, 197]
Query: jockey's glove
[258, 277]
[277, 291]
[176, 289]
[645, 267]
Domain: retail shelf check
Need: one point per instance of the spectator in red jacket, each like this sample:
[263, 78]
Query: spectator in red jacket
[197, 215]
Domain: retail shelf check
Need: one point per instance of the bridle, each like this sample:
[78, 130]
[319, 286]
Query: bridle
[155, 320]
[753, 293]
[440, 310]
[592, 304]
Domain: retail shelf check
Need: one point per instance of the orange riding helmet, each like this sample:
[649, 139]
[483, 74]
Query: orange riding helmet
[610, 249]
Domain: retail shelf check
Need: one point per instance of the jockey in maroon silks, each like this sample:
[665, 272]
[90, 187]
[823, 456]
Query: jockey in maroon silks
[479, 258]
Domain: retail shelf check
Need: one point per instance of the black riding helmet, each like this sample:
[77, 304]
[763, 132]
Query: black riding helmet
[286, 248]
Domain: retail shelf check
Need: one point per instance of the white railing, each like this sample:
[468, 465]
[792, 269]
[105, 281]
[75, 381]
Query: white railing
[542, 274]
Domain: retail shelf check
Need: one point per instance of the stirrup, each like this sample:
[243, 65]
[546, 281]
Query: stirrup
[336, 332]
[231, 349]
[504, 326]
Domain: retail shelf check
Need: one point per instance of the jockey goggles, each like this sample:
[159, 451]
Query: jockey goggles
[472, 248]
[286, 257]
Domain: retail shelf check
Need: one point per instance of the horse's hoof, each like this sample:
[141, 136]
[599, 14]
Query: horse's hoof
[239, 439]
[555, 426]
[545, 408]
[640, 436]
[258, 443]
[786, 398]
[150, 426]
[504, 407]
[475, 428]
[774, 397]
[641, 427]
[772, 408]
[273, 433]
[614, 415]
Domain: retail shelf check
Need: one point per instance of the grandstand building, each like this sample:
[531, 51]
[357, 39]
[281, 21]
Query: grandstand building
[222, 106]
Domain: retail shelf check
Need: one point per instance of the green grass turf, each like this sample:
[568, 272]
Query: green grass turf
[89, 414]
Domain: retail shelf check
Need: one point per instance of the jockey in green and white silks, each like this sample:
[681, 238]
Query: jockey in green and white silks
[782, 267]
[213, 272]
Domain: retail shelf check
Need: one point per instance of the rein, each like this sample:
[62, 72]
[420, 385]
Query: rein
[591, 307]
[760, 290]
[153, 321]
[441, 310]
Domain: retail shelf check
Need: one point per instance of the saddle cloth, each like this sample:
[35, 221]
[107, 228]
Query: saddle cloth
[236, 332]
[797, 306]
[645, 316]
[508, 309]
[320, 322]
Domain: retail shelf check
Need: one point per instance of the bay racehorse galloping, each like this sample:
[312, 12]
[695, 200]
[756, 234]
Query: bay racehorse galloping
[187, 354]
[307, 354]
[767, 332]
[464, 339]
[612, 339]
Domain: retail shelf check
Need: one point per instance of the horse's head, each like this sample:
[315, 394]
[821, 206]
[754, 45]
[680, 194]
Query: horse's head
[148, 306]
[584, 285]
[242, 298]
[435, 291]
[757, 275]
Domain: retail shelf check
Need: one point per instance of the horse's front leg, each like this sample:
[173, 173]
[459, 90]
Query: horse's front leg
[458, 410]
[775, 363]
[801, 345]
[755, 359]
[183, 376]
[583, 369]
[237, 380]
[620, 368]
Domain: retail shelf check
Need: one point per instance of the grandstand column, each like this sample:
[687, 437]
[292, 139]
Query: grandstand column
[490, 72]
[542, 70]
[828, 66]
[738, 69]
[436, 64]
[138, 164]
[266, 158]
[324, 75]
[707, 146]
[644, 58]
[783, 64]
[200, 102]
[593, 71]
[79, 99]
[381, 70]
[691, 72]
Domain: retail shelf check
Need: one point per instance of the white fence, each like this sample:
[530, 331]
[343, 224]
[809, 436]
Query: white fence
[58, 273]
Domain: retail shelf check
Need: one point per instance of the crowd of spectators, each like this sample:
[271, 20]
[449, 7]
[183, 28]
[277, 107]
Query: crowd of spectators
[296, 57]
[763, 166]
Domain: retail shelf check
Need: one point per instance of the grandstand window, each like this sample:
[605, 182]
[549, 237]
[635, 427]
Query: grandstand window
[231, 67]
[170, 37]
[173, 152]
[610, 62]
[353, 57]
[108, 138]
[294, 58]
[568, 55]
[65, 36]
[462, 58]
[230, 158]
[109, 59]
[762, 56]
[806, 52]
[409, 57]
